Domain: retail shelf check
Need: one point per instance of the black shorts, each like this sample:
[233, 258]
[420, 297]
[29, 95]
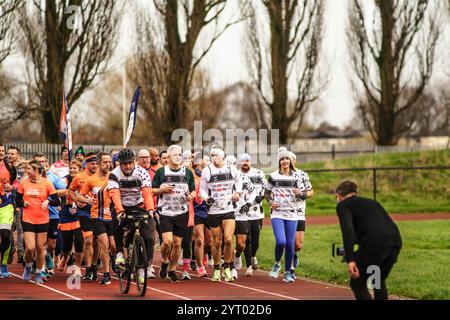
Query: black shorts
[52, 232]
[101, 227]
[200, 220]
[86, 224]
[242, 227]
[35, 228]
[177, 224]
[301, 225]
[215, 220]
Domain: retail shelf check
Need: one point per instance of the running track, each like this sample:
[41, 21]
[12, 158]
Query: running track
[258, 287]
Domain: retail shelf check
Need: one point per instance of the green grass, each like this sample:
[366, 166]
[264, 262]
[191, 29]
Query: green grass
[421, 272]
[399, 191]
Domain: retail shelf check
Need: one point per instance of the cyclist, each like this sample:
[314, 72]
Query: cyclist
[175, 187]
[130, 190]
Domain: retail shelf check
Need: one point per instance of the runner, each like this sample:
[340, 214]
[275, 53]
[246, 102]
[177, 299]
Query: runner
[220, 186]
[255, 214]
[6, 222]
[242, 226]
[130, 190]
[52, 235]
[164, 158]
[69, 225]
[80, 154]
[90, 249]
[230, 160]
[95, 193]
[283, 194]
[154, 162]
[32, 195]
[202, 232]
[175, 187]
[305, 185]
[61, 167]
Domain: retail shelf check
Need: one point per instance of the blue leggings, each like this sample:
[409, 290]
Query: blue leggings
[284, 231]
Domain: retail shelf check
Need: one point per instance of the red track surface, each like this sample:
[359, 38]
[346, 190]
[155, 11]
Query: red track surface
[258, 287]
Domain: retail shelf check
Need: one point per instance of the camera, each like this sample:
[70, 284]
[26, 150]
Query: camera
[337, 251]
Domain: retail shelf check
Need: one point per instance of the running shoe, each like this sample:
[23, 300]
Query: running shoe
[216, 276]
[186, 276]
[193, 265]
[210, 262]
[106, 279]
[119, 259]
[255, 264]
[288, 277]
[45, 275]
[141, 276]
[51, 272]
[293, 275]
[227, 275]
[249, 271]
[150, 272]
[275, 270]
[295, 260]
[49, 262]
[173, 276]
[88, 275]
[180, 259]
[26, 274]
[4, 272]
[163, 270]
[238, 262]
[202, 272]
[234, 273]
[38, 278]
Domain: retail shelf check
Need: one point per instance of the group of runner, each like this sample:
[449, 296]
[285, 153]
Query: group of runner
[73, 212]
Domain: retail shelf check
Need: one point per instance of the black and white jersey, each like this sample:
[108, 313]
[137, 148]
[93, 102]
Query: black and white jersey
[220, 184]
[130, 186]
[282, 187]
[258, 180]
[247, 196]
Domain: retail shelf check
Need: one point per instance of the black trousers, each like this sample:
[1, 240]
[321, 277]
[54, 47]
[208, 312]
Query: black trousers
[366, 261]
[252, 243]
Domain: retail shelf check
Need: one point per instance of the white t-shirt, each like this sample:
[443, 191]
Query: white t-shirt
[282, 187]
[220, 184]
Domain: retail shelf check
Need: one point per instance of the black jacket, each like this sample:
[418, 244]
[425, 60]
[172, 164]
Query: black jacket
[366, 222]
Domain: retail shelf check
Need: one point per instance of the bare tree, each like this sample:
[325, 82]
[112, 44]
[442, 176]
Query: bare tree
[67, 43]
[7, 16]
[290, 52]
[393, 62]
[169, 55]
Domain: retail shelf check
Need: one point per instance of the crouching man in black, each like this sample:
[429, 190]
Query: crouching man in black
[366, 223]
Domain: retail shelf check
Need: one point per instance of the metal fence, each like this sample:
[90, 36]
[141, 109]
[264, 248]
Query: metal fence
[376, 170]
[305, 154]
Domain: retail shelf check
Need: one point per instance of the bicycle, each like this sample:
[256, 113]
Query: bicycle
[135, 261]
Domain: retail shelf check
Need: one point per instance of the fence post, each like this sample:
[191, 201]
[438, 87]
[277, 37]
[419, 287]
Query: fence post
[374, 180]
[333, 151]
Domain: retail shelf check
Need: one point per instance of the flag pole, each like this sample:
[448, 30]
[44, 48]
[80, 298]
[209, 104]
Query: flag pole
[124, 102]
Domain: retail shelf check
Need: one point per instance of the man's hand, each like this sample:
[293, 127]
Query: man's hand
[236, 196]
[167, 188]
[91, 201]
[300, 194]
[353, 270]
[26, 204]
[151, 214]
[81, 205]
[120, 216]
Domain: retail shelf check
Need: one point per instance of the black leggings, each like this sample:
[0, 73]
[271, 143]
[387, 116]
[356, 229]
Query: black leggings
[147, 231]
[187, 243]
[70, 238]
[384, 258]
[5, 242]
[252, 242]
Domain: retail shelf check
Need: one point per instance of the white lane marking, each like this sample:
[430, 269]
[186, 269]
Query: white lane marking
[49, 288]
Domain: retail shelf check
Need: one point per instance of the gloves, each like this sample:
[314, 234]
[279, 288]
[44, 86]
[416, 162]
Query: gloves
[245, 208]
[259, 199]
[209, 203]
[301, 196]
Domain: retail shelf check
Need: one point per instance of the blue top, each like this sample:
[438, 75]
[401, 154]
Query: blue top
[59, 184]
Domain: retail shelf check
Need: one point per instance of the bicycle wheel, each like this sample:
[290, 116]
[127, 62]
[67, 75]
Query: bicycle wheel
[124, 278]
[140, 265]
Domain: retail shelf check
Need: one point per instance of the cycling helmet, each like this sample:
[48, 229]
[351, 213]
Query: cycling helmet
[126, 155]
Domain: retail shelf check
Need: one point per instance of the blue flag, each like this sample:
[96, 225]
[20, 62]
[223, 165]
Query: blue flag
[132, 116]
